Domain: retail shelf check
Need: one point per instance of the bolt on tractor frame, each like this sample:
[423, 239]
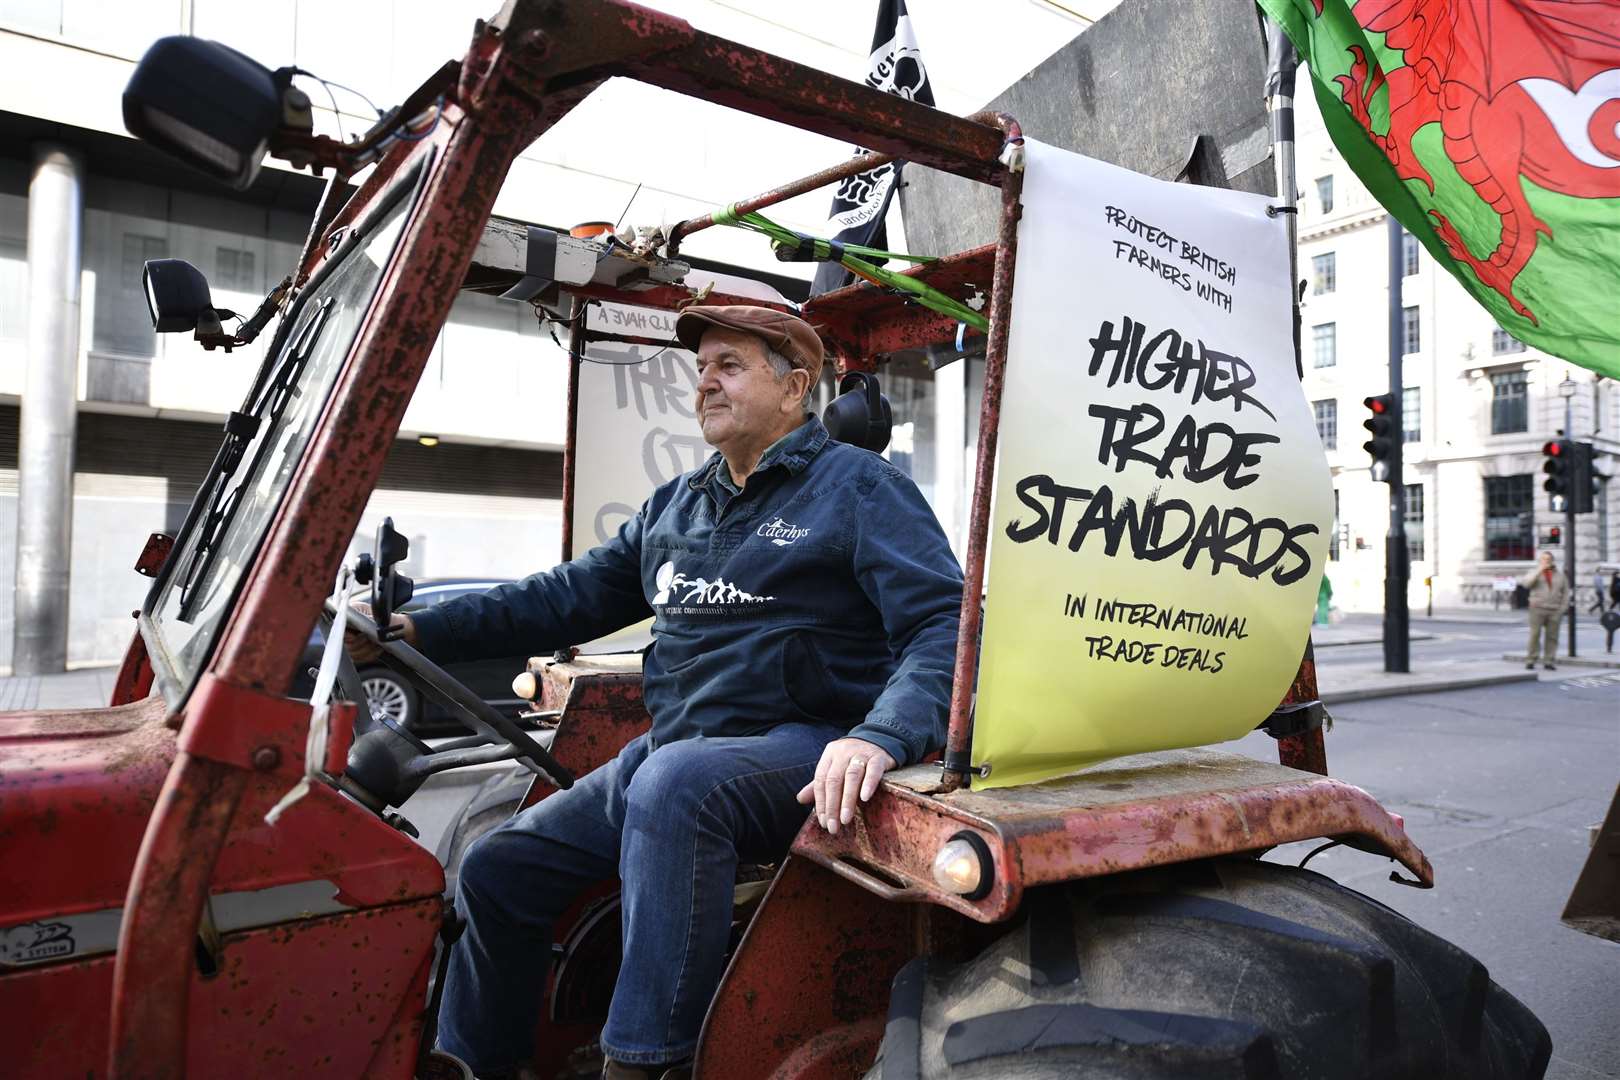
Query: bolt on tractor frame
[173, 785]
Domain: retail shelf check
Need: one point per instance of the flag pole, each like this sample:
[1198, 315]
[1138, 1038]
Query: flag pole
[1282, 65]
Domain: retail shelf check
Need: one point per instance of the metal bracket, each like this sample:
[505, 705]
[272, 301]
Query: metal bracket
[1289, 720]
[959, 762]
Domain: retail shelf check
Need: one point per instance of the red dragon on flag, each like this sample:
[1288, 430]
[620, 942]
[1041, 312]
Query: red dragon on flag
[1491, 130]
[1521, 88]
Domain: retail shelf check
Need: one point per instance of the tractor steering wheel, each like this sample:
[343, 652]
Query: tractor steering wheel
[436, 683]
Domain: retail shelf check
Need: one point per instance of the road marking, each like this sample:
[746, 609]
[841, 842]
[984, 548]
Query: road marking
[1591, 682]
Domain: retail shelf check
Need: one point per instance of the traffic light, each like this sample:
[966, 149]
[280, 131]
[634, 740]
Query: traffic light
[1559, 454]
[1584, 479]
[1381, 447]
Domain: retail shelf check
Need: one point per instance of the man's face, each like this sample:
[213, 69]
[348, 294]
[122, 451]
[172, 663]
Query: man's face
[1546, 560]
[740, 400]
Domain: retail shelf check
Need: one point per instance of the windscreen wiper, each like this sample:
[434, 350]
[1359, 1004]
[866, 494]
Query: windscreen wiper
[240, 429]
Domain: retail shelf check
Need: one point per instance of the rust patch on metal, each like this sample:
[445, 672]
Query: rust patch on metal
[825, 1010]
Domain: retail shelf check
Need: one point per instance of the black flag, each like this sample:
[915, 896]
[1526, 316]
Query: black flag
[860, 203]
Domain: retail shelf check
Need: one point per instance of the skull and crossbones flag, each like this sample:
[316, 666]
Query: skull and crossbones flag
[862, 200]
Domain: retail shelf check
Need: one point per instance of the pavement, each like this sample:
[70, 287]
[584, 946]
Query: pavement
[1449, 651]
[81, 689]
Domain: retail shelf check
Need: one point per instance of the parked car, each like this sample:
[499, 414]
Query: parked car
[392, 696]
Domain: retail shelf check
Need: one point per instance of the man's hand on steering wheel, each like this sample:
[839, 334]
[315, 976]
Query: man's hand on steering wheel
[849, 769]
[363, 650]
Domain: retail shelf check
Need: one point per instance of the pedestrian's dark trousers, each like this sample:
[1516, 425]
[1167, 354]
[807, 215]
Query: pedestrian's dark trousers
[672, 823]
[1543, 623]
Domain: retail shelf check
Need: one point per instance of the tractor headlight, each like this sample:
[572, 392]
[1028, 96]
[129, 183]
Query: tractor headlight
[964, 866]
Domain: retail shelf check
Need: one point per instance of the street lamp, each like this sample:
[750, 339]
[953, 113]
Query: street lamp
[1566, 390]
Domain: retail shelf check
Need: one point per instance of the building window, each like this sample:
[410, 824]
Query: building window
[1325, 340]
[1510, 403]
[1324, 193]
[1409, 254]
[1327, 422]
[1324, 273]
[1412, 414]
[233, 271]
[1509, 517]
[1414, 521]
[123, 325]
[1503, 342]
[1411, 331]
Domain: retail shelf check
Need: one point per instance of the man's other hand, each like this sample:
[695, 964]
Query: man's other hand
[849, 769]
[361, 649]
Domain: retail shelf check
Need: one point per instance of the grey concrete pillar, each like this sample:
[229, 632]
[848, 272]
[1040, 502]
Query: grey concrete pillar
[49, 403]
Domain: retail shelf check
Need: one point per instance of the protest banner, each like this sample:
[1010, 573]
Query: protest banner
[1162, 504]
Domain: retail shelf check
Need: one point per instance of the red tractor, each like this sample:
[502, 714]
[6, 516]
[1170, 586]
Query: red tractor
[154, 924]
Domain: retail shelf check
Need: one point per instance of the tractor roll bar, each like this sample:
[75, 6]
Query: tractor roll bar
[858, 164]
[965, 677]
[552, 46]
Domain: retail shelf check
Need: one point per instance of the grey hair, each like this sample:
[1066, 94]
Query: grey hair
[781, 365]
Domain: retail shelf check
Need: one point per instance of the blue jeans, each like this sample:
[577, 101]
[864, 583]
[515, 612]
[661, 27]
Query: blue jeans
[672, 823]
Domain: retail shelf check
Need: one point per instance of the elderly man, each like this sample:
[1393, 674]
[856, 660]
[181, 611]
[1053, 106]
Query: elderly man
[1549, 595]
[805, 607]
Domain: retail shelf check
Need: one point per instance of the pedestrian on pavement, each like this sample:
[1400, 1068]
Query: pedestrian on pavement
[1549, 595]
[1598, 603]
[1614, 591]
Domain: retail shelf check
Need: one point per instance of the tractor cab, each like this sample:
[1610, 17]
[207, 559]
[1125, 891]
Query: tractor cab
[256, 905]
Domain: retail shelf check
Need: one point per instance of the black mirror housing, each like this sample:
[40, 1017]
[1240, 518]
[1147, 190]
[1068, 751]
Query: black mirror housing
[861, 414]
[177, 296]
[207, 105]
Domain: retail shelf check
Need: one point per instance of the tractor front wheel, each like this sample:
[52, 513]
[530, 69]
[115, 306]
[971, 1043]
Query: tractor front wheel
[1228, 968]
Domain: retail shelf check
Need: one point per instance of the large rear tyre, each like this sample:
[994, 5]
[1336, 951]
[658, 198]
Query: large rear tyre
[1226, 968]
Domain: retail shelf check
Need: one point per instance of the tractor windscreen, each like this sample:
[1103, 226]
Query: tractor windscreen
[264, 446]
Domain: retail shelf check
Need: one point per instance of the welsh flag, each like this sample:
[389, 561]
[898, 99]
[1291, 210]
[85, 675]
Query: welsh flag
[1491, 130]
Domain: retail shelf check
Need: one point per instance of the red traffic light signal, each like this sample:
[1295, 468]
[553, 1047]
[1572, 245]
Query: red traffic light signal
[1558, 453]
[1381, 447]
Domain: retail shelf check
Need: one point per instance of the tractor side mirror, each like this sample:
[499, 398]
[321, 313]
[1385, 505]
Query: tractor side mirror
[211, 107]
[177, 297]
[391, 590]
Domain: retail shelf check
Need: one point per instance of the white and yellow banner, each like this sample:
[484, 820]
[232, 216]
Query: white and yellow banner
[1162, 503]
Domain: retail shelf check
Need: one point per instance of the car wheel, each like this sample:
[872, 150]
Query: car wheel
[391, 697]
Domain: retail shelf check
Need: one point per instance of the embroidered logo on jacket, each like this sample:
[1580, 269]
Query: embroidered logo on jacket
[676, 588]
[781, 533]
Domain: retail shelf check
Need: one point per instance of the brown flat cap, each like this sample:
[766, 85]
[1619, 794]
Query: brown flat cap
[787, 334]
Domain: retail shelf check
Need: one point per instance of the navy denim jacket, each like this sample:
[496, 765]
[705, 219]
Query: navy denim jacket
[823, 592]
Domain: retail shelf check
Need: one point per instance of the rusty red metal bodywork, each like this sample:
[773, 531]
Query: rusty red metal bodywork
[171, 792]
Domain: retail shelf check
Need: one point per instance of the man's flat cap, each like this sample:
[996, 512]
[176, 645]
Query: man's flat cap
[787, 334]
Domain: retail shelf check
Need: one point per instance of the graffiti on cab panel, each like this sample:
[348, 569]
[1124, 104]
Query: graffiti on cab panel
[659, 386]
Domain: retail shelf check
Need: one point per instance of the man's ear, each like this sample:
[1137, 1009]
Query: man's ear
[801, 382]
